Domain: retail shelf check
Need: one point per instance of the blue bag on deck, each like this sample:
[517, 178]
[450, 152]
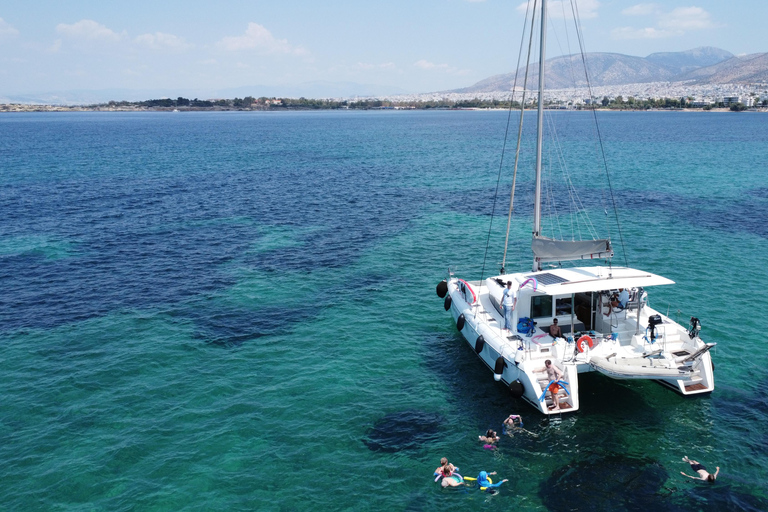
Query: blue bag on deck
[525, 325]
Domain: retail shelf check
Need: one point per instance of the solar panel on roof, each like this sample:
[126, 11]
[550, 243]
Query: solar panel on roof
[548, 278]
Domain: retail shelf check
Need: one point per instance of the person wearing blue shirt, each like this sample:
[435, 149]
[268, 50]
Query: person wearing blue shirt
[623, 297]
[619, 302]
[484, 482]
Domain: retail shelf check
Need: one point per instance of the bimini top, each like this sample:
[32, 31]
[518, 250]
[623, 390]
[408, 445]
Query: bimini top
[562, 281]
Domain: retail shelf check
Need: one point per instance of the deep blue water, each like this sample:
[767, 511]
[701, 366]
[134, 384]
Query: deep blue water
[237, 311]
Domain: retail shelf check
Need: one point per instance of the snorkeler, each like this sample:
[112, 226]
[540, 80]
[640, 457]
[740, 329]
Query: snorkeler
[485, 483]
[704, 475]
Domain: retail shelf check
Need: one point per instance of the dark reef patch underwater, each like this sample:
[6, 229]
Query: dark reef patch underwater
[606, 484]
[406, 430]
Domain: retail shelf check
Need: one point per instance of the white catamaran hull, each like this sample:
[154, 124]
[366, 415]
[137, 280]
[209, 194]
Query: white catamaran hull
[615, 347]
[622, 338]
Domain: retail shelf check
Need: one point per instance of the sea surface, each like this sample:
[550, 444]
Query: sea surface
[237, 311]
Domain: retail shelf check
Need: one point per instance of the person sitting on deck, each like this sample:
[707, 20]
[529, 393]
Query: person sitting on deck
[618, 301]
[554, 329]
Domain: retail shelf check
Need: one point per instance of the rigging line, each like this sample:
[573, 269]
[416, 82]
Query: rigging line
[576, 18]
[551, 198]
[567, 41]
[575, 203]
[577, 212]
[570, 190]
[568, 44]
[503, 149]
[556, 227]
[520, 126]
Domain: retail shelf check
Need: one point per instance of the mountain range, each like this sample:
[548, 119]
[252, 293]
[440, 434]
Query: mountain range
[700, 66]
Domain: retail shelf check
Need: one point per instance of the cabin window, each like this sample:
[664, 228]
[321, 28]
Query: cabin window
[541, 305]
[563, 306]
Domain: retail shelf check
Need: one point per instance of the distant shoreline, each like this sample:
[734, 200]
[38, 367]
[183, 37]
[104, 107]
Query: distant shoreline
[264, 104]
[19, 108]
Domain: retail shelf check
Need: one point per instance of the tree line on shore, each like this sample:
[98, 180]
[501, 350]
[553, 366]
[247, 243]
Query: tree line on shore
[274, 103]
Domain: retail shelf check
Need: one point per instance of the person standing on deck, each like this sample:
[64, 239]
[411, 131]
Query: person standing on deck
[554, 374]
[509, 303]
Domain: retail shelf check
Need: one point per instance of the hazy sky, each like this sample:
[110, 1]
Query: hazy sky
[416, 45]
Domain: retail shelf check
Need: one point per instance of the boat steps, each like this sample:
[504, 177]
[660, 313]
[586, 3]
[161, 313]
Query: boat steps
[563, 404]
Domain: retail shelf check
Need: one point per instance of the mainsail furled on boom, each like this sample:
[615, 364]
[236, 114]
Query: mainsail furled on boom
[547, 249]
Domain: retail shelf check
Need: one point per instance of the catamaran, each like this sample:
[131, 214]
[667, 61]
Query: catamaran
[621, 339]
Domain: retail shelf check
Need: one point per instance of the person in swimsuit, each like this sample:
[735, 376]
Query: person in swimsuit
[490, 437]
[699, 469]
[554, 374]
[513, 421]
[443, 463]
[554, 330]
[447, 471]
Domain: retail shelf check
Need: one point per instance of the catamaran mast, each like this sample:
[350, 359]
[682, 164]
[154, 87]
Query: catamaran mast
[540, 129]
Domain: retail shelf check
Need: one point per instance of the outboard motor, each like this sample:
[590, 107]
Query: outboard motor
[695, 329]
[653, 321]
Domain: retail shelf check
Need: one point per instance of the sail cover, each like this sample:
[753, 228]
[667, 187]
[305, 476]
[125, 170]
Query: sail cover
[547, 249]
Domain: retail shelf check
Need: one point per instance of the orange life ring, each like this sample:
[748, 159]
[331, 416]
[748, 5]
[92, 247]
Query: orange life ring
[584, 339]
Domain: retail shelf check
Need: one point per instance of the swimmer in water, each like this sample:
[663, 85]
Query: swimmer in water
[704, 475]
[443, 463]
[490, 437]
[485, 483]
[448, 473]
[514, 425]
[513, 421]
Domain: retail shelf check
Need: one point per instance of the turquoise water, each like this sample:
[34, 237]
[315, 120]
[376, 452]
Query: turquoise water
[236, 311]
